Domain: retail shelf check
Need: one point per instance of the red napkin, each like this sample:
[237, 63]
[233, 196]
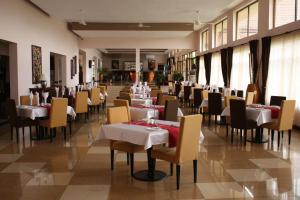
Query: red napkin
[173, 130]
[154, 100]
[160, 109]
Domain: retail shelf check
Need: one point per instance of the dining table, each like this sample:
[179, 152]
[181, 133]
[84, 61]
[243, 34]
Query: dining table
[147, 136]
[140, 112]
[260, 114]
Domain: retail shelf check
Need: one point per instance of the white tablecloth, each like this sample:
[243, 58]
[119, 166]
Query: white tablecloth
[33, 112]
[147, 113]
[135, 101]
[205, 103]
[139, 135]
[260, 115]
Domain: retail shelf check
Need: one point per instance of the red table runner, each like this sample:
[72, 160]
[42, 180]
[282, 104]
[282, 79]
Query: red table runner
[173, 130]
[48, 107]
[274, 110]
[160, 109]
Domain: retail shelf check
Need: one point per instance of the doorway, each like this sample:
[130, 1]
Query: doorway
[57, 63]
[4, 77]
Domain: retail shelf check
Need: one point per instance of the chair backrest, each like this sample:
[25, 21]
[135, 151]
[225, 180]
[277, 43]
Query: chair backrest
[81, 102]
[117, 115]
[58, 112]
[286, 115]
[238, 113]
[171, 109]
[205, 94]
[187, 92]
[240, 93]
[124, 94]
[177, 89]
[164, 98]
[227, 100]
[249, 98]
[11, 111]
[102, 88]
[122, 103]
[214, 103]
[276, 100]
[154, 93]
[188, 141]
[197, 97]
[95, 96]
[25, 100]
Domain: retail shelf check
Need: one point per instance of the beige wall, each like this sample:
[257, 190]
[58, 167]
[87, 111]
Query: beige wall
[24, 25]
[91, 54]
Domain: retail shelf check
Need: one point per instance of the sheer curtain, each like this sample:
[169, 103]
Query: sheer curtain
[202, 78]
[240, 73]
[216, 77]
[284, 69]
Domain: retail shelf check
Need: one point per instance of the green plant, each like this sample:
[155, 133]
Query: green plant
[178, 77]
[101, 70]
[159, 78]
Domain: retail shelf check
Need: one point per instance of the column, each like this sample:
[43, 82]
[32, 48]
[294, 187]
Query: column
[137, 64]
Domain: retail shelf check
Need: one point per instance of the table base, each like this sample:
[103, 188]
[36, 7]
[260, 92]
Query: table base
[258, 141]
[144, 176]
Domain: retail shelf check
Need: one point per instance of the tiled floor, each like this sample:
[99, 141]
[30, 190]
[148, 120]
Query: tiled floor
[80, 169]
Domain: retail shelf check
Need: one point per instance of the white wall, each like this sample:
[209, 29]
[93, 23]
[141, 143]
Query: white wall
[24, 25]
[91, 54]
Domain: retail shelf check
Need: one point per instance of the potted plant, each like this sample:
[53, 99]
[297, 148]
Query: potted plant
[178, 77]
[159, 78]
[101, 72]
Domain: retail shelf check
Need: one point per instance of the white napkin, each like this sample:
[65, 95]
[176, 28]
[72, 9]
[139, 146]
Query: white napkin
[45, 96]
[37, 98]
[56, 90]
[30, 98]
[63, 91]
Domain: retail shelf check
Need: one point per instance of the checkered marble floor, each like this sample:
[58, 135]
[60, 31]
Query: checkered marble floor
[80, 169]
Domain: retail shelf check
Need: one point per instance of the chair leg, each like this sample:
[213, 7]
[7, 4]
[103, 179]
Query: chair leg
[51, 135]
[131, 163]
[177, 176]
[11, 132]
[128, 158]
[232, 132]
[252, 134]
[245, 136]
[195, 166]
[65, 133]
[171, 169]
[112, 157]
[272, 136]
[17, 134]
[23, 132]
[30, 133]
[226, 130]
[278, 138]
[209, 116]
[290, 135]
[70, 127]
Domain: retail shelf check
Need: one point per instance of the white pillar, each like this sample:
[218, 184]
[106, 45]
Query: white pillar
[137, 64]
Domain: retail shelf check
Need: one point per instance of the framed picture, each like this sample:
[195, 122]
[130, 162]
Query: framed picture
[72, 67]
[115, 64]
[151, 64]
[75, 64]
[36, 52]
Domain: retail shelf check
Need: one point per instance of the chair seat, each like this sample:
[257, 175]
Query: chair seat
[126, 147]
[165, 153]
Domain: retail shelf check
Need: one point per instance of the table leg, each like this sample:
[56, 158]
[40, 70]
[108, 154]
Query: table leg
[258, 137]
[151, 174]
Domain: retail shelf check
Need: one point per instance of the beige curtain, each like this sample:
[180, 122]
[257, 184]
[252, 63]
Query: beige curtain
[284, 69]
[216, 77]
[201, 78]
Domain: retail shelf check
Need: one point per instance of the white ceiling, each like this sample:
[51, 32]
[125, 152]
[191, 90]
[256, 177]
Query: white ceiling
[154, 11]
[135, 34]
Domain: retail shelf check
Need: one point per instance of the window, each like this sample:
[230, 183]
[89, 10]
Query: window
[285, 11]
[284, 70]
[240, 72]
[216, 77]
[221, 33]
[204, 40]
[247, 21]
[201, 77]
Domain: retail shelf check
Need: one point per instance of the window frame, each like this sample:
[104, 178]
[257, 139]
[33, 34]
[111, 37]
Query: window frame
[248, 19]
[215, 31]
[274, 14]
[202, 41]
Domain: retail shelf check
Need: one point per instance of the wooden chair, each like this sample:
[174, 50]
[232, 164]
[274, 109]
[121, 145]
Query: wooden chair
[154, 93]
[227, 104]
[285, 120]
[214, 105]
[81, 104]
[103, 90]
[186, 95]
[95, 98]
[171, 110]
[187, 146]
[18, 122]
[197, 99]
[277, 100]
[239, 119]
[164, 98]
[58, 117]
[249, 98]
[121, 103]
[25, 100]
[240, 93]
[121, 115]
